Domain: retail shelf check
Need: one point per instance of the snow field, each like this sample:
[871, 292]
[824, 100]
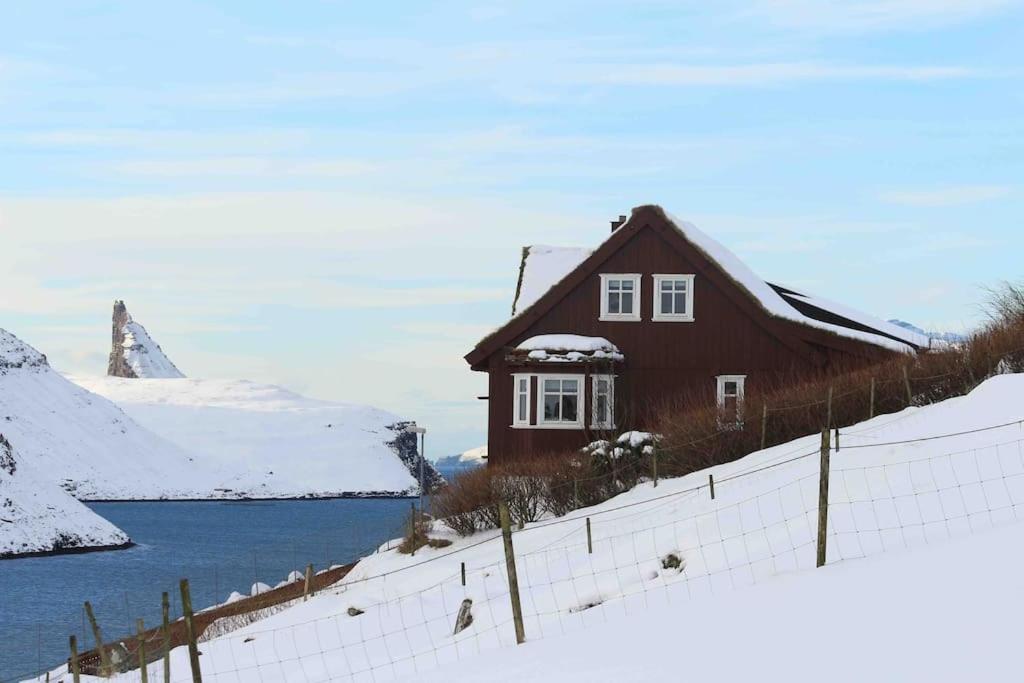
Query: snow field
[893, 487]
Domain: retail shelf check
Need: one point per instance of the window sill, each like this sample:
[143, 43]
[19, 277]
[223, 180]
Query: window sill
[609, 318]
[567, 425]
[673, 318]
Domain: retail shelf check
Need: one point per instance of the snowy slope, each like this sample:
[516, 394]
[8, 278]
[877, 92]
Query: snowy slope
[887, 498]
[85, 443]
[144, 356]
[37, 516]
[293, 445]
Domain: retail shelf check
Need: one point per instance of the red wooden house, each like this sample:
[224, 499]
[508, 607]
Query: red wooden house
[599, 338]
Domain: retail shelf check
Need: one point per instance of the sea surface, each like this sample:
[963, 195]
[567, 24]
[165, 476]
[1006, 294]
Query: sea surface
[219, 546]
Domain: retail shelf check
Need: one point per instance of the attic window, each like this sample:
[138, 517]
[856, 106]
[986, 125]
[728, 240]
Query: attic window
[673, 298]
[620, 297]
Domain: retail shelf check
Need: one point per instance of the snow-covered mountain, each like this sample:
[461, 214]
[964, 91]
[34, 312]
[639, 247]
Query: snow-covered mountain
[133, 352]
[83, 442]
[467, 460]
[285, 444]
[190, 438]
[37, 516]
[941, 337]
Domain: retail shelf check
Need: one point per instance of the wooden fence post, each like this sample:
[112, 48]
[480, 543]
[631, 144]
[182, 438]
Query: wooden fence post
[828, 421]
[654, 467]
[871, 409]
[307, 590]
[906, 381]
[823, 497]
[711, 485]
[764, 426]
[190, 632]
[140, 638]
[513, 578]
[75, 670]
[105, 668]
[590, 542]
[576, 494]
[462, 570]
[837, 439]
[165, 605]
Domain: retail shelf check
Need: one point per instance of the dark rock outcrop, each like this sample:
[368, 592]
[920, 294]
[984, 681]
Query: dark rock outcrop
[118, 366]
[406, 447]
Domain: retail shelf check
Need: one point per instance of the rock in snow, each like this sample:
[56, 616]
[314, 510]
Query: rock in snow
[37, 516]
[133, 353]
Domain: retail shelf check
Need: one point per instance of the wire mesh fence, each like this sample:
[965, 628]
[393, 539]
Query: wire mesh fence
[575, 572]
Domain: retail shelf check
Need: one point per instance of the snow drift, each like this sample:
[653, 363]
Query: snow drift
[37, 516]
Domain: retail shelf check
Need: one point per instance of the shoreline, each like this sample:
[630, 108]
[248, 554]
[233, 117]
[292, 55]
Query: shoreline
[342, 496]
[77, 550]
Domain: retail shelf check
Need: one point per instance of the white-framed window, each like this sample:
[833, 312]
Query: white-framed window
[560, 401]
[602, 402]
[521, 400]
[730, 397]
[673, 298]
[620, 296]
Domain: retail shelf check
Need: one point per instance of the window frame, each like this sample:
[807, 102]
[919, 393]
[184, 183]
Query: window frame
[657, 314]
[605, 315]
[581, 401]
[517, 393]
[741, 390]
[594, 422]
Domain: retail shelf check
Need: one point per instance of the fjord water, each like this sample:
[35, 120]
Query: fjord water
[219, 546]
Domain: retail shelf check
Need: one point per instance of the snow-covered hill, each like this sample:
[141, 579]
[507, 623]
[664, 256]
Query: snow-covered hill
[740, 565]
[288, 445]
[37, 516]
[83, 442]
[134, 353]
[467, 460]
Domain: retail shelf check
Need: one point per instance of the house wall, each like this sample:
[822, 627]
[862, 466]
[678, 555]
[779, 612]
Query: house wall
[662, 359]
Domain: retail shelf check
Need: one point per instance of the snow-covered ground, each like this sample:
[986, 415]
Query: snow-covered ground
[37, 516]
[726, 586]
[83, 442]
[284, 443]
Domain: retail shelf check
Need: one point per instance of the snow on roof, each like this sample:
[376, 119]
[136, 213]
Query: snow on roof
[569, 348]
[863, 319]
[544, 266]
[541, 268]
[766, 296]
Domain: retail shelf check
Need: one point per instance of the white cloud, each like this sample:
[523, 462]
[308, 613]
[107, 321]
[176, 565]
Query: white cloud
[955, 195]
[866, 15]
[770, 73]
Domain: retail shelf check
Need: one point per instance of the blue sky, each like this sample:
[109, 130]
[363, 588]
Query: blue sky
[332, 195]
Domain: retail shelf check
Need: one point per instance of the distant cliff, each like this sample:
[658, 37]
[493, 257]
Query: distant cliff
[133, 353]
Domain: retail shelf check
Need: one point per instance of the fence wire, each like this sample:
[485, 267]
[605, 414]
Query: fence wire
[569, 583]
